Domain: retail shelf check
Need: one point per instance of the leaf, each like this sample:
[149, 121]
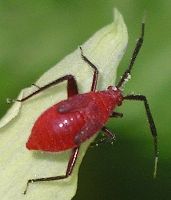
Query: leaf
[17, 164]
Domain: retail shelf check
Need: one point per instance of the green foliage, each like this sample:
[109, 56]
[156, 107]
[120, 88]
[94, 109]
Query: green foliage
[34, 35]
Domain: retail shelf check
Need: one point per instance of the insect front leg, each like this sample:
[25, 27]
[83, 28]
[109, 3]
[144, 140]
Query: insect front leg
[116, 114]
[109, 137]
[151, 124]
[69, 170]
[72, 88]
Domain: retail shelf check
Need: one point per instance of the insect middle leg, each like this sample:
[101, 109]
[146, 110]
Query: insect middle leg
[96, 72]
[72, 88]
[69, 170]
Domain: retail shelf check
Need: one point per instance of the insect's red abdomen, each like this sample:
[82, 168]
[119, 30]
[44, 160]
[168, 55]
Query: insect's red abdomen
[54, 131]
[70, 122]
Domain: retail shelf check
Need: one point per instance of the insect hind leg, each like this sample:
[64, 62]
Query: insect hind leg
[72, 88]
[69, 170]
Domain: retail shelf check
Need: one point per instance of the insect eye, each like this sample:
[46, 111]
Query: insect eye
[110, 87]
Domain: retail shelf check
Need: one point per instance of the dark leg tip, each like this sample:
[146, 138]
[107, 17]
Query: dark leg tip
[82, 55]
[36, 85]
[80, 48]
[28, 182]
[18, 100]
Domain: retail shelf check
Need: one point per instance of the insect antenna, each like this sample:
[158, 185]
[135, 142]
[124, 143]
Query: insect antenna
[126, 75]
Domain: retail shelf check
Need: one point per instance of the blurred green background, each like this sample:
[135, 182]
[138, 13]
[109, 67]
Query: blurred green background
[34, 35]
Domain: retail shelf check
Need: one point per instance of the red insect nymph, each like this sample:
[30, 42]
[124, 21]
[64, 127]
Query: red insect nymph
[70, 122]
[67, 124]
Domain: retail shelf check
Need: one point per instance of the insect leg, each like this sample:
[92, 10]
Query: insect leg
[96, 72]
[151, 124]
[109, 134]
[71, 87]
[110, 137]
[116, 114]
[133, 58]
[35, 85]
[69, 170]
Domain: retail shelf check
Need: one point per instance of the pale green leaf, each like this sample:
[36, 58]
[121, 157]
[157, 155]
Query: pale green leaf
[17, 164]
